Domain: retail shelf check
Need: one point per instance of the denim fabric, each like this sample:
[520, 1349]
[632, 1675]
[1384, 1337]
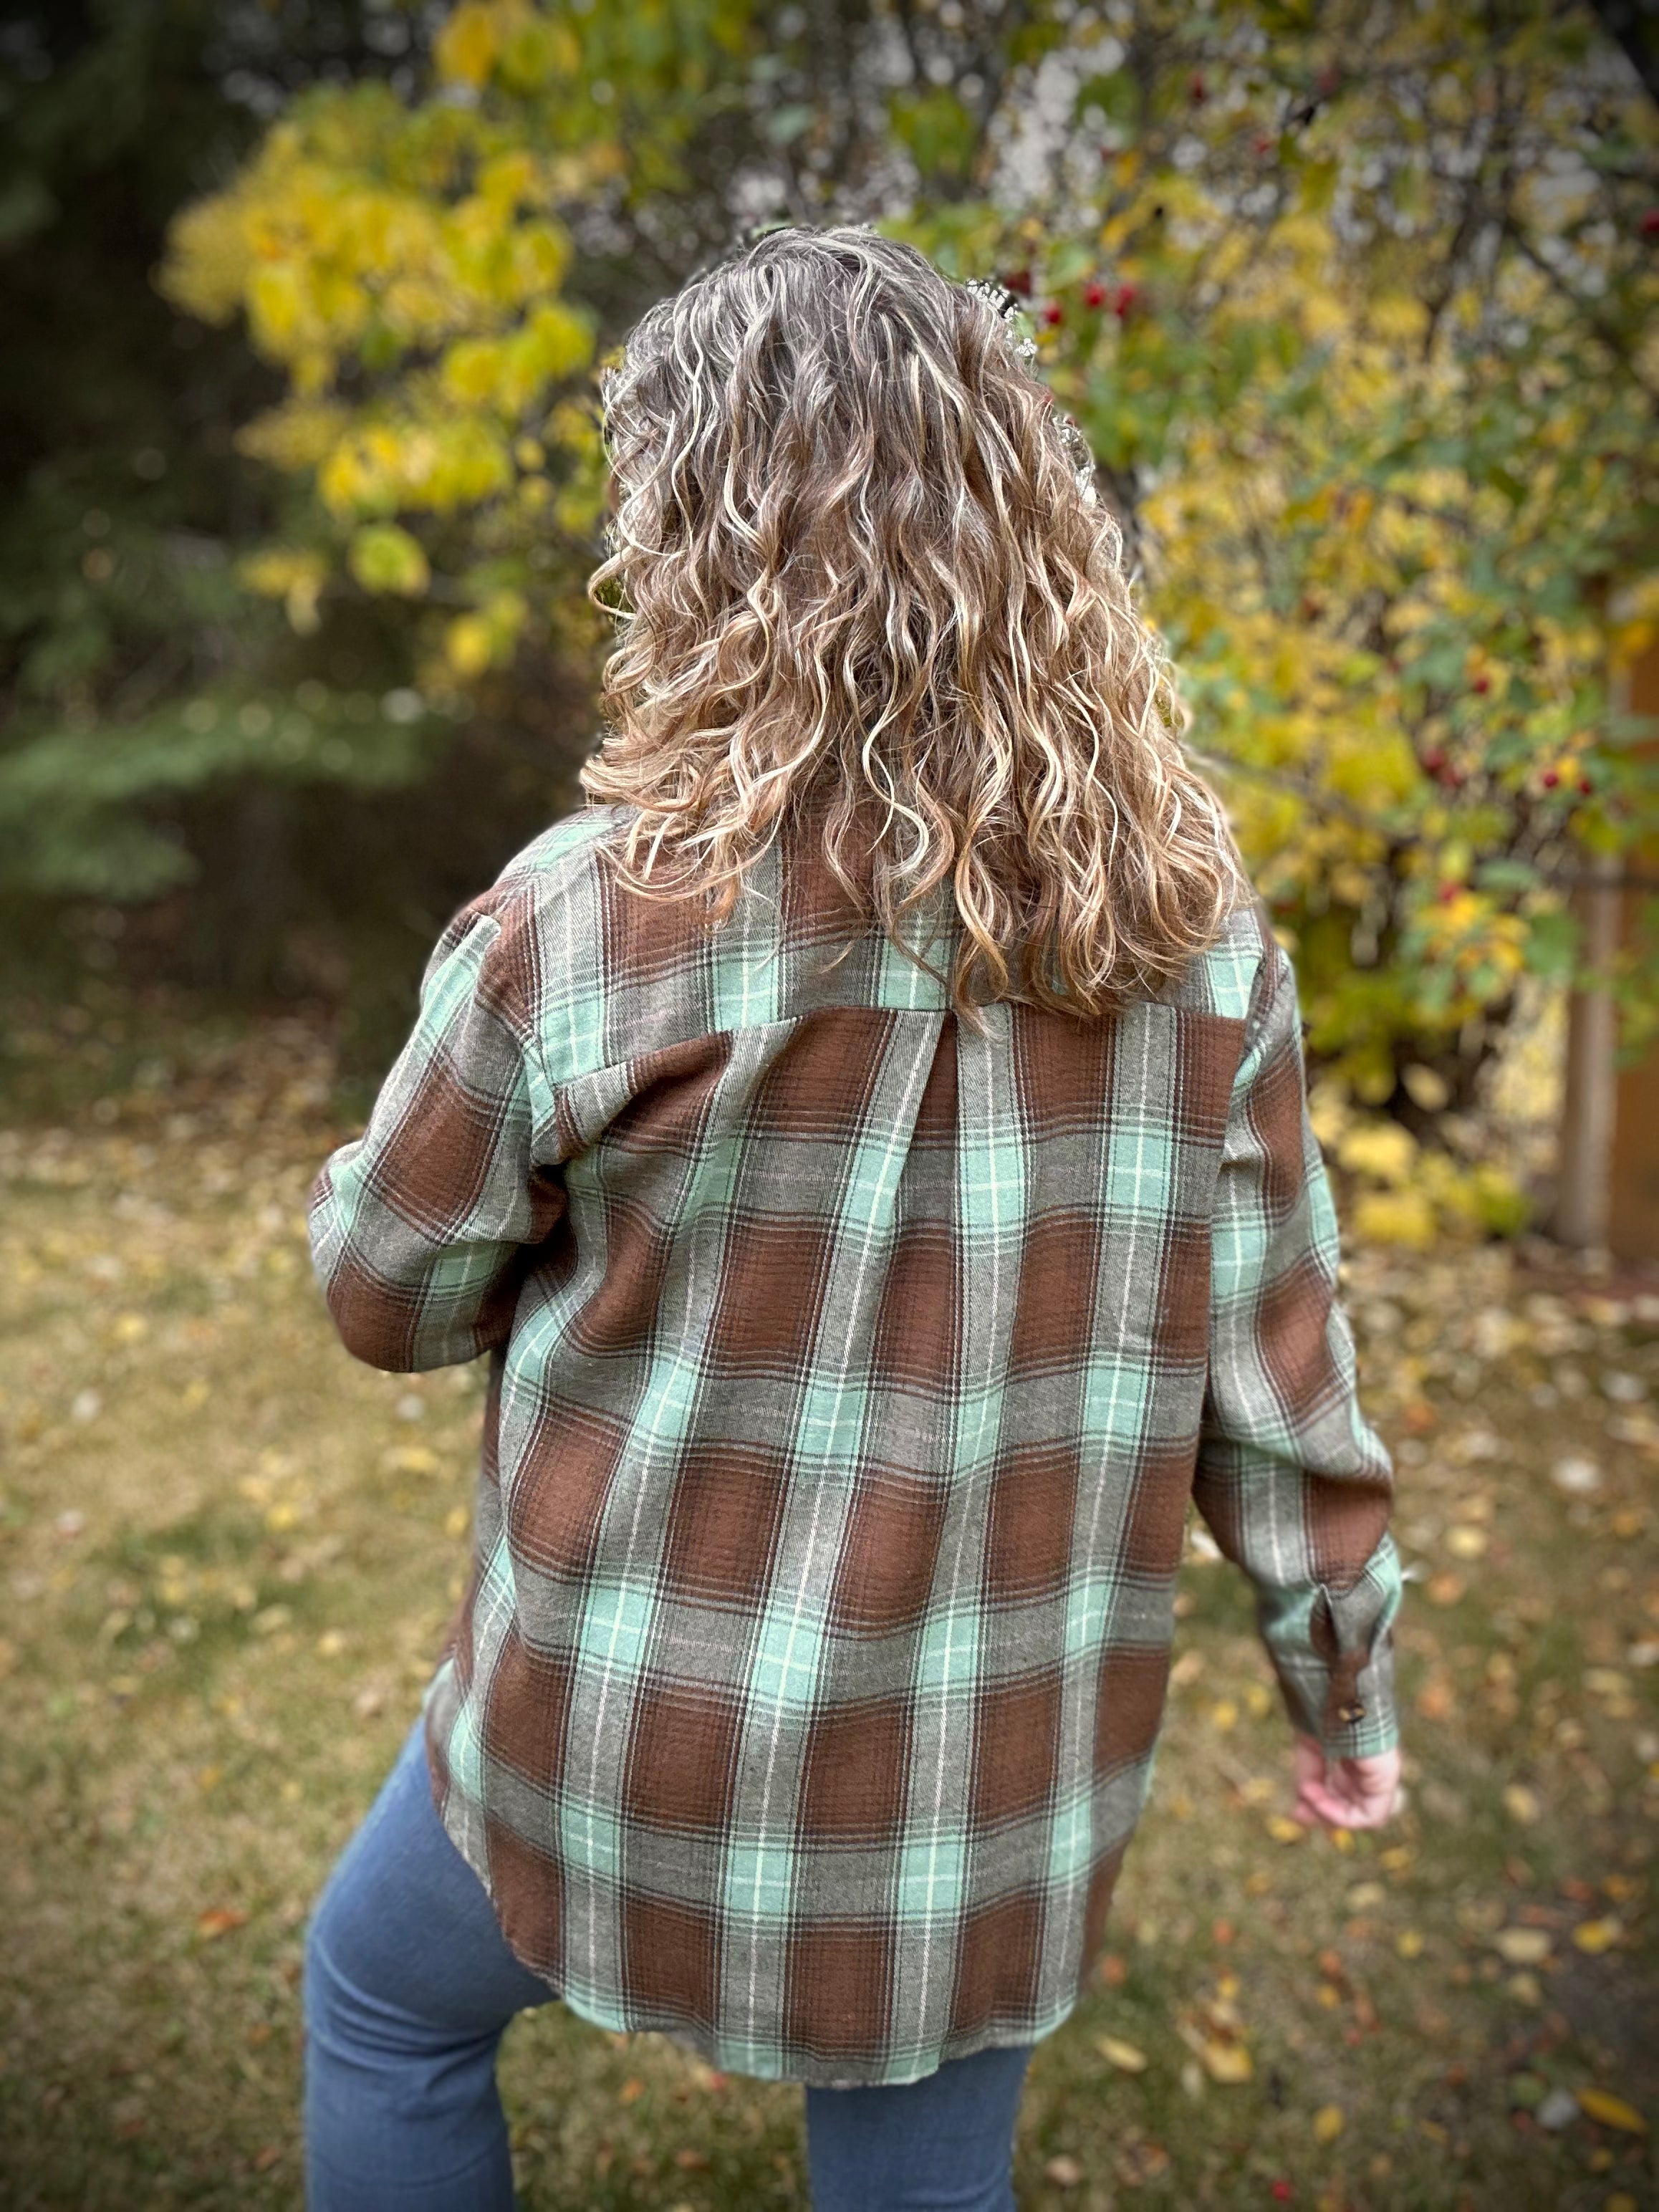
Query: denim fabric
[410, 1985]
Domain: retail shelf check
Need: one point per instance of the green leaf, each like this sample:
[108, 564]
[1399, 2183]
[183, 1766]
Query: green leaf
[937, 128]
[384, 557]
[1552, 946]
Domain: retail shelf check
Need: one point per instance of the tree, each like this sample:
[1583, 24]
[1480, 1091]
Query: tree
[1357, 312]
[1353, 302]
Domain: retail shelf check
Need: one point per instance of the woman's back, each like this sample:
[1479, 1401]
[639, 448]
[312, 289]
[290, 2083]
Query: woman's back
[853, 1362]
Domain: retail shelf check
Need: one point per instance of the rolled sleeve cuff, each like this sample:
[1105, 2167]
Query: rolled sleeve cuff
[1335, 1661]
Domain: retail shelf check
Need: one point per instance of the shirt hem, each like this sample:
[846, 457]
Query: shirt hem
[713, 2051]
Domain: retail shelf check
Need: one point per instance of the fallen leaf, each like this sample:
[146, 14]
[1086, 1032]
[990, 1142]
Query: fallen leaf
[632, 2089]
[1522, 1804]
[1284, 1829]
[1612, 2111]
[1466, 1541]
[1064, 2172]
[1138, 2163]
[1408, 1943]
[1436, 1698]
[692, 2161]
[1598, 1935]
[267, 2158]
[1606, 1682]
[1224, 1714]
[411, 1459]
[1523, 1947]
[220, 1921]
[1445, 1588]
[1577, 1475]
[1128, 2058]
[457, 1521]
[1227, 2063]
[1327, 2123]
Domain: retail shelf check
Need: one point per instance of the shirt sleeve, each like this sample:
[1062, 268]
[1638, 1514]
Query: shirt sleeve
[419, 1228]
[1293, 1484]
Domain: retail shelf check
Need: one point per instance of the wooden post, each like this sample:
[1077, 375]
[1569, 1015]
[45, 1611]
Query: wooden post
[1607, 1190]
[1632, 1217]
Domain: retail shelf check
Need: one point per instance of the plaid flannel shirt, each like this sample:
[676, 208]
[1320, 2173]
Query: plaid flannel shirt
[850, 1373]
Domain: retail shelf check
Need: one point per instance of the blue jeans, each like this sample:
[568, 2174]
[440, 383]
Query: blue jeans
[409, 1984]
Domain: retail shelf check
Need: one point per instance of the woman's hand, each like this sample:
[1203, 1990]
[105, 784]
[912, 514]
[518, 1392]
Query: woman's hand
[1346, 1793]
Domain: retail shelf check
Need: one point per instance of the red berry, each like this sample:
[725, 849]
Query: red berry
[1448, 892]
[1550, 778]
[1054, 315]
[1651, 223]
[1282, 2192]
[1094, 295]
[1018, 280]
[1434, 760]
[1195, 91]
[1483, 684]
[1327, 80]
[1127, 296]
[1586, 786]
[1261, 144]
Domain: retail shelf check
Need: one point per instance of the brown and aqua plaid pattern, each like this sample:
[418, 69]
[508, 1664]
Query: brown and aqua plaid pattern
[850, 1374]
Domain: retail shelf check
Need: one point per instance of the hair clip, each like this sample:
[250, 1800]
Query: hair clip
[1005, 305]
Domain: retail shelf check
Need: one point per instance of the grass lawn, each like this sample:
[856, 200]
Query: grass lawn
[228, 1555]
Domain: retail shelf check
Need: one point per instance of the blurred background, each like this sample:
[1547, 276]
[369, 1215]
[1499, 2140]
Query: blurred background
[303, 302]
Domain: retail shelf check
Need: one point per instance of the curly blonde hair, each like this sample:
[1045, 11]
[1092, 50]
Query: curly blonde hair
[859, 563]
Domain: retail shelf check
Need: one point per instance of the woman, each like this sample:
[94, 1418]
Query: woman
[869, 1143]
